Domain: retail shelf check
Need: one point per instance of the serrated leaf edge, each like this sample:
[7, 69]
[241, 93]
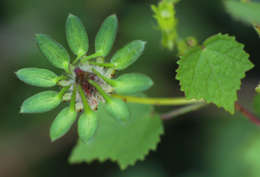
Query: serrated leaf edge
[206, 42]
[123, 167]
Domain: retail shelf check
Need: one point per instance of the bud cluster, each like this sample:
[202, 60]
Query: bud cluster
[87, 81]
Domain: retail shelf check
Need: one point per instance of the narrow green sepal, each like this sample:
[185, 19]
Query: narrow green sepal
[107, 80]
[37, 77]
[118, 109]
[62, 123]
[100, 90]
[128, 54]
[53, 51]
[41, 102]
[106, 36]
[76, 35]
[132, 83]
[87, 125]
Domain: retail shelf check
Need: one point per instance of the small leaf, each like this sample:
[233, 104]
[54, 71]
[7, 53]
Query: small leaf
[62, 123]
[132, 83]
[128, 54]
[76, 35]
[124, 143]
[87, 126]
[214, 71]
[248, 12]
[41, 102]
[118, 109]
[106, 36]
[37, 77]
[53, 51]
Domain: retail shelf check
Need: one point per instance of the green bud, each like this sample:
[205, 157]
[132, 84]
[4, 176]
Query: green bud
[257, 29]
[128, 54]
[76, 35]
[41, 102]
[53, 51]
[132, 83]
[106, 36]
[87, 126]
[117, 108]
[164, 14]
[62, 123]
[257, 89]
[256, 104]
[37, 77]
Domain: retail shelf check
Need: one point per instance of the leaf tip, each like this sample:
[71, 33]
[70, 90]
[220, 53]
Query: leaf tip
[53, 138]
[113, 16]
[70, 15]
[39, 35]
[17, 73]
[22, 110]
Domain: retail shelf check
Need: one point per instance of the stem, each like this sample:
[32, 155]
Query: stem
[157, 101]
[247, 114]
[60, 78]
[100, 90]
[86, 58]
[63, 90]
[107, 80]
[73, 98]
[108, 65]
[84, 100]
[183, 110]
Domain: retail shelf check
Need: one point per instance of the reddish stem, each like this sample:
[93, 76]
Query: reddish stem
[247, 114]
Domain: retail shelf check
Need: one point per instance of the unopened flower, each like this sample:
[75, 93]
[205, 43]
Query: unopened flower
[87, 81]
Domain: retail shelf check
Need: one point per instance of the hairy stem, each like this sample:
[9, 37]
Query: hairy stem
[157, 101]
[177, 112]
[247, 114]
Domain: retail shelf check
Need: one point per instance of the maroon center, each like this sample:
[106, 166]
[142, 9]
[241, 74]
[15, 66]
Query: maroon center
[82, 78]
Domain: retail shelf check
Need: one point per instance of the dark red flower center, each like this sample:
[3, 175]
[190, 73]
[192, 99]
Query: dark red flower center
[82, 78]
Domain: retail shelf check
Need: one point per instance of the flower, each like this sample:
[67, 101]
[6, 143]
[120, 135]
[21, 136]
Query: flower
[87, 81]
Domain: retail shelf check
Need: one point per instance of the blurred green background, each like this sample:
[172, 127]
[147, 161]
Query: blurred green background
[206, 143]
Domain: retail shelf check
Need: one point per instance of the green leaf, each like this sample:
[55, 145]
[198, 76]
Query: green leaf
[76, 35]
[106, 36]
[248, 12]
[53, 51]
[62, 123]
[128, 54]
[41, 102]
[122, 142]
[87, 126]
[37, 77]
[118, 109]
[213, 72]
[132, 83]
